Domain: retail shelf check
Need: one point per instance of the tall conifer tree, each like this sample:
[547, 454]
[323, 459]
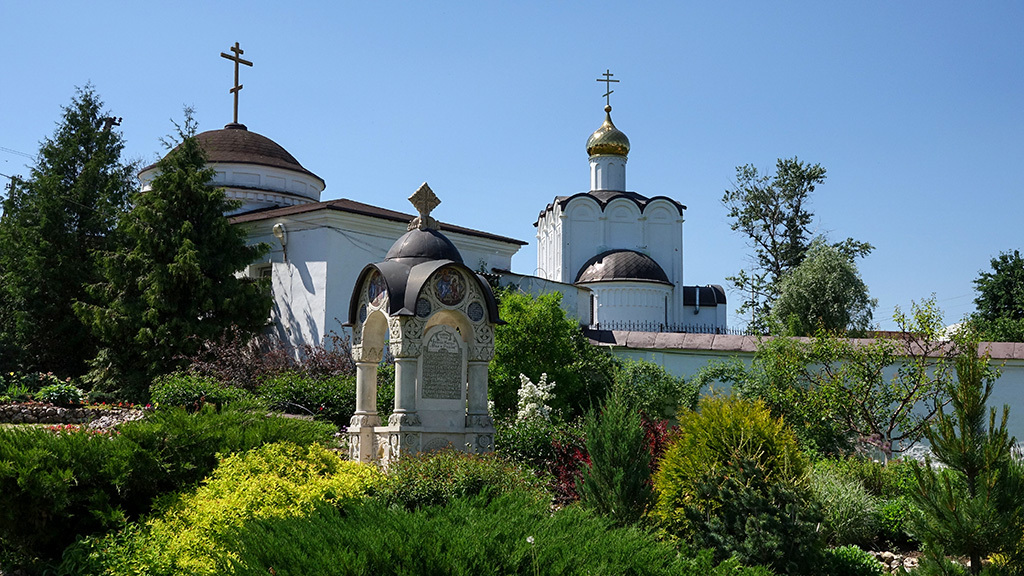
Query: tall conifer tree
[54, 226]
[175, 284]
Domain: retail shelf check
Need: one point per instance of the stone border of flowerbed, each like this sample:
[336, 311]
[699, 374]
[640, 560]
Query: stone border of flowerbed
[37, 413]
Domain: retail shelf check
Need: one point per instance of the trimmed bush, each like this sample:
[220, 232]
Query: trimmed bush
[332, 398]
[192, 391]
[852, 561]
[196, 534]
[511, 534]
[439, 477]
[732, 480]
[55, 487]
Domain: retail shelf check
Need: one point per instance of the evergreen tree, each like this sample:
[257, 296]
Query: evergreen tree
[53, 229]
[175, 284]
[975, 507]
[618, 481]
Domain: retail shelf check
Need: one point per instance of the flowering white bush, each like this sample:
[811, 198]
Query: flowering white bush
[533, 398]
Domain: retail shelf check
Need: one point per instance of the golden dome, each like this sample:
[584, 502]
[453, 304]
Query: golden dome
[608, 139]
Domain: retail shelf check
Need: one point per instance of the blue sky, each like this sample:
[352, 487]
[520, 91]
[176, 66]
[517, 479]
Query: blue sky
[915, 108]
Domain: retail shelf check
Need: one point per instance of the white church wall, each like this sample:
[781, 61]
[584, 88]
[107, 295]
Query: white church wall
[582, 236]
[619, 302]
[316, 269]
[622, 228]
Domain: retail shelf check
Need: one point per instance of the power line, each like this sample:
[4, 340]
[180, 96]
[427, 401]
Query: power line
[19, 153]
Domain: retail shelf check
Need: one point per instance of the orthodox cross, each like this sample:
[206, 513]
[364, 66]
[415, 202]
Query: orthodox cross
[237, 59]
[607, 86]
[424, 200]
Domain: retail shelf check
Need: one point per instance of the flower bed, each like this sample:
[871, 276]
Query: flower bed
[39, 413]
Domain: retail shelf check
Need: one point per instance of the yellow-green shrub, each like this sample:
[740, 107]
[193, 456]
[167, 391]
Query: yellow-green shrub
[722, 430]
[272, 481]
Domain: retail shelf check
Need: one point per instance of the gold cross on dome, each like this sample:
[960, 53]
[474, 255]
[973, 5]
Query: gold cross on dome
[607, 86]
[424, 200]
[237, 59]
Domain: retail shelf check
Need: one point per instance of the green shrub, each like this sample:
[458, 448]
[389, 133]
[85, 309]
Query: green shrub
[732, 480]
[617, 481]
[650, 389]
[332, 399]
[850, 513]
[538, 338]
[436, 478]
[55, 487]
[852, 561]
[192, 391]
[741, 511]
[511, 534]
[194, 535]
[63, 394]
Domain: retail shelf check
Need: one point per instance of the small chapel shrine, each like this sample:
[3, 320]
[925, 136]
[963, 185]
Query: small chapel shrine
[436, 317]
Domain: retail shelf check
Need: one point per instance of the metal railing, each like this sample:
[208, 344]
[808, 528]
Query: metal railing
[649, 326]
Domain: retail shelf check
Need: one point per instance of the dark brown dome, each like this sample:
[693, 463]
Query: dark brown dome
[622, 265]
[428, 244]
[236, 144]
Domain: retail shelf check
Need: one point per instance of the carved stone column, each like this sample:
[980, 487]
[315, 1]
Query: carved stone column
[405, 393]
[362, 441]
[476, 411]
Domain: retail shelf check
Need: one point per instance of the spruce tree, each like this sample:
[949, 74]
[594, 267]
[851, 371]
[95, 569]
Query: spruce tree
[618, 481]
[54, 226]
[975, 507]
[176, 283]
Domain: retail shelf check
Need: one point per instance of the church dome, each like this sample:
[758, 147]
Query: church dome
[621, 265]
[235, 144]
[608, 139]
[427, 244]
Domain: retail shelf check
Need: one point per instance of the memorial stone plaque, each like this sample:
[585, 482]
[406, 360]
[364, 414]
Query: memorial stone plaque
[442, 367]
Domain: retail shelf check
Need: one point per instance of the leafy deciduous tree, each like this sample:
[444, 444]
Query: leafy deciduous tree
[771, 211]
[824, 292]
[538, 338]
[175, 285]
[54, 227]
[838, 392]
[1000, 301]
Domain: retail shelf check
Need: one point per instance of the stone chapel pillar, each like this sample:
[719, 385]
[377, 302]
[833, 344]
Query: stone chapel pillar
[476, 410]
[405, 392]
[366, 393]
[362, 440]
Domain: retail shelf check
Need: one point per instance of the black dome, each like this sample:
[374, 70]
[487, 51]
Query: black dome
[622, 265]
[427, 244]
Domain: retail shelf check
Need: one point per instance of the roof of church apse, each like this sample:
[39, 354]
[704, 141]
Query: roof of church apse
[353, 207]
[235, 144]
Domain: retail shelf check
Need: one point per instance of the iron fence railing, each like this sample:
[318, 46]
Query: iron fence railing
[648, 326]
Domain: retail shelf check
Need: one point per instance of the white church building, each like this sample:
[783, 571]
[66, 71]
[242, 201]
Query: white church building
[317, 248]
[625, 248]
[615, 255]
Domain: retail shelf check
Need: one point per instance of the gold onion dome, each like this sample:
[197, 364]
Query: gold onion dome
[608, 139]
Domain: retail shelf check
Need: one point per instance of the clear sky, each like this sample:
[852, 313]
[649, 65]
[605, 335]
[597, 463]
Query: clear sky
[915, 108]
